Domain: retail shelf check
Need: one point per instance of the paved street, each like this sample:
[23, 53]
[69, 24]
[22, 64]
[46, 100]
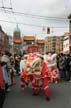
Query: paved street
[60, 97]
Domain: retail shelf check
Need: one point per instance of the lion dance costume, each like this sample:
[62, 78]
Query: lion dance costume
[36, 73]
[50, 59]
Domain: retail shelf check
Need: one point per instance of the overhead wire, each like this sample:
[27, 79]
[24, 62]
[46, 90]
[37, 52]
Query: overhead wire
[13, 11]
[4, 8]
[38, 16]
[29, 24]
[30, 15]
[35, 16]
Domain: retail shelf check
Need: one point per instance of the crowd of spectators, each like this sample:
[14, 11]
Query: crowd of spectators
[9, 67]
[64, 66]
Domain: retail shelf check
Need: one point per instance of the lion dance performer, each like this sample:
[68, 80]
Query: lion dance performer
[50, 59]
[36, 72]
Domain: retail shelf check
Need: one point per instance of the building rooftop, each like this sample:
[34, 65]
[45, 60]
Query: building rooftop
[38, 41]
[17, 40]
[29, 38]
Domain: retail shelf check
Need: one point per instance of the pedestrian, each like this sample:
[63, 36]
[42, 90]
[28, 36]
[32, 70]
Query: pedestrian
[17, 64]
[2, 90]
[5, 76]
[67, 66]
[62, 68]
[23, 63]
[12, 75]
[1, 77]
[23, 67]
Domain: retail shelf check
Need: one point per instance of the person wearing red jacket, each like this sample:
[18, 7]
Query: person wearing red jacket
[44, 78]
[1, 78]
[2, 90]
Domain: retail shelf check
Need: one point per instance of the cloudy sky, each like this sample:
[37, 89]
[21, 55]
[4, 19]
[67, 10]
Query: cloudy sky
[49, 13]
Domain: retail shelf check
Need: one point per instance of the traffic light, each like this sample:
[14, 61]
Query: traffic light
[48, 30]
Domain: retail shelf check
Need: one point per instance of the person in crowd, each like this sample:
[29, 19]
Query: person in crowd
[2, 90]
[67, 66]
[23, 63]
[12, 61]
[70, 67]
[17, 64]
[6, 58]
[12, 75]
[23, 68]
[62, 67]
[12, 70]
[1, 78]
[5, 76]
[58, 56]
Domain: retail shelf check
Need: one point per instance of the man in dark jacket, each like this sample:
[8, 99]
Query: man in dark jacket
[62, 67]
[67, 66]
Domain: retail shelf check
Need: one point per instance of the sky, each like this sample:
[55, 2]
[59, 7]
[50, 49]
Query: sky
[54, 12]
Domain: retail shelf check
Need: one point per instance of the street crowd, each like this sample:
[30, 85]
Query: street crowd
[11, 66]
[64, 66]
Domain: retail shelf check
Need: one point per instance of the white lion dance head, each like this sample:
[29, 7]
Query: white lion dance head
[50, 59]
